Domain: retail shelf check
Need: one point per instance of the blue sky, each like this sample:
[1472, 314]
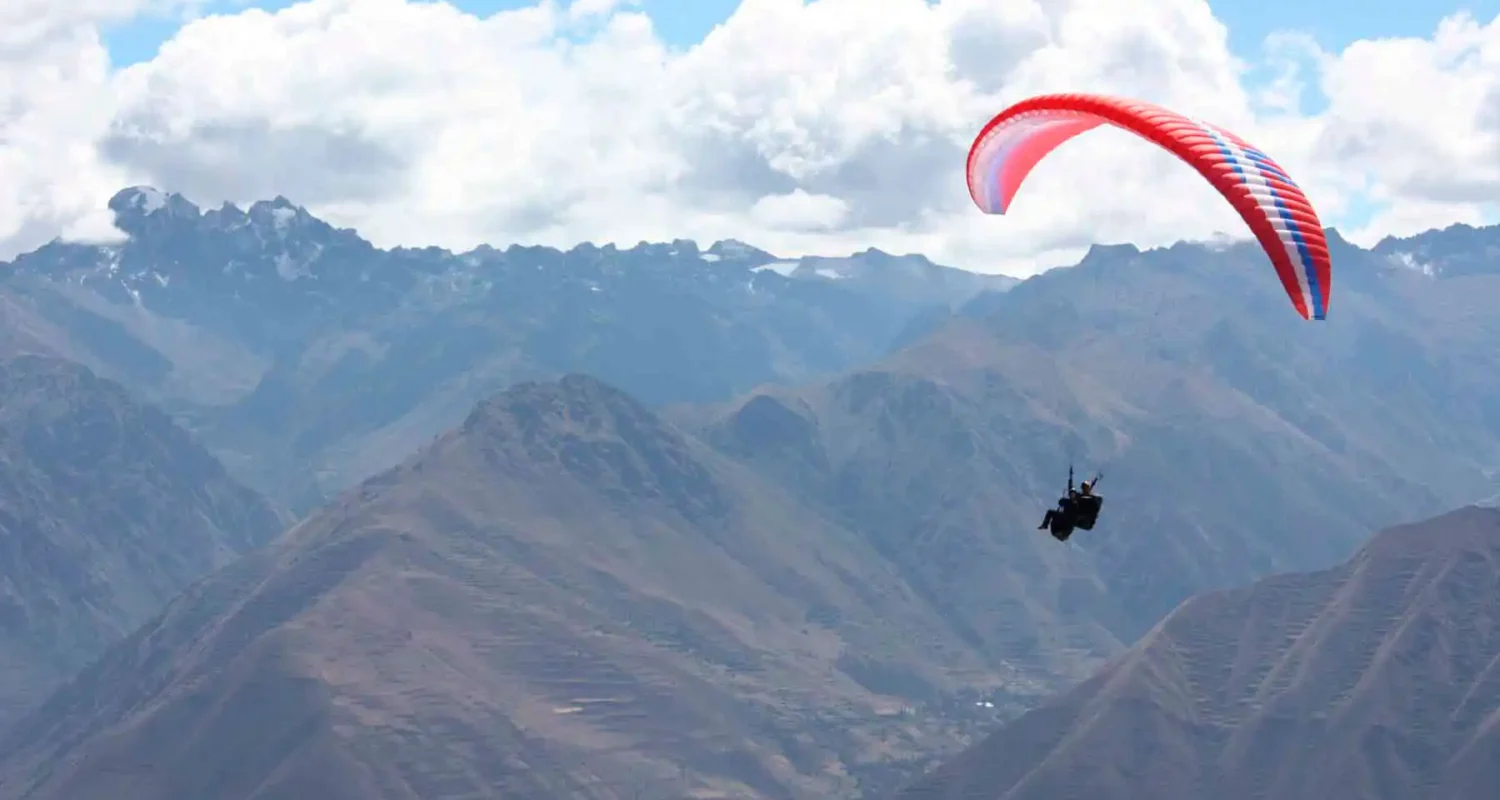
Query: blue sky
[681, 22]
[1334, 23]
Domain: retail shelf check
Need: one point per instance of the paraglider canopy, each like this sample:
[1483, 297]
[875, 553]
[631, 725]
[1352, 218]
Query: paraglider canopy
[1272, 205]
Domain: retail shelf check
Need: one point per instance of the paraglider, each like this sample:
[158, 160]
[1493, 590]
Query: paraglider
[1265, 196]
[1271, 204]
[1077, 509]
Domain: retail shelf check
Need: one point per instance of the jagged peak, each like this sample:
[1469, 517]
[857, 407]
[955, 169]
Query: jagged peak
[566, 401]
[1108, 251]
[1456, 228]
[145, 201]
[734, 248]
[278, 210]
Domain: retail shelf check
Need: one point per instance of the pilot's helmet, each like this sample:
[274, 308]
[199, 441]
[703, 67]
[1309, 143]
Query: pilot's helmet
[1086, 487]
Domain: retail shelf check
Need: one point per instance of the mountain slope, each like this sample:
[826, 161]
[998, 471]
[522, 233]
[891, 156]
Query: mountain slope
[107, 510]
[308, 359]
[564, 595]
[1226, 427]
[1376, 679]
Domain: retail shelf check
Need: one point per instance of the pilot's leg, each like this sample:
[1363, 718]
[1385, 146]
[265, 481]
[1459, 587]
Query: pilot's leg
[1047, 520]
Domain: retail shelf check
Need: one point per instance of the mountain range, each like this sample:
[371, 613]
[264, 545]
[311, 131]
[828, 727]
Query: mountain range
[788, 575]
[1375, 679]
[308, 359]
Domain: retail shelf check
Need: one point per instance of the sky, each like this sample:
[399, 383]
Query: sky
[823, 126]
[683, 23]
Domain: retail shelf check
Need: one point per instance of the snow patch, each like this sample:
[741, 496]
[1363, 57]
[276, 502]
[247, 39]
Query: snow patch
[1408, 261]
[783, 268]
[148, 200]
[289, 268]
[282, 218]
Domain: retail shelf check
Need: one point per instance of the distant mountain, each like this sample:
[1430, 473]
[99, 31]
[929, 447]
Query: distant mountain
[1454, 251]
[564, 597]
[107, 510]
[308, 359]
[1376, 680]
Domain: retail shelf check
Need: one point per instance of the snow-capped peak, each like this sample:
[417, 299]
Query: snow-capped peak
[145, 200]
[135, 205]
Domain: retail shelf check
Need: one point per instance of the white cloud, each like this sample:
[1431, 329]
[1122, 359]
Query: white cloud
[580, 10]
[826, 126]
[54, 103]
[1422, 118]
[799, 211]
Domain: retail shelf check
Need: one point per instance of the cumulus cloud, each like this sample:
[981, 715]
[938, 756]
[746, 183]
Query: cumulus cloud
[825, 126]
[581, 10]
[54, 100]
[799, 210]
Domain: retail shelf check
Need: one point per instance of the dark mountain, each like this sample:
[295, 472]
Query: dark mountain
[307, 359]
[1454, 251]
[1377, 679]
[107, 510]
[1227, 428]
[563, 597]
